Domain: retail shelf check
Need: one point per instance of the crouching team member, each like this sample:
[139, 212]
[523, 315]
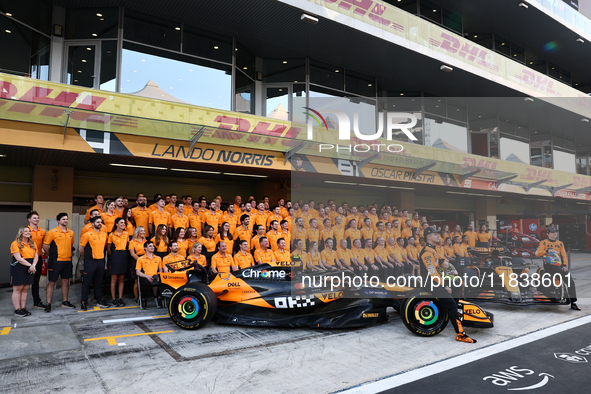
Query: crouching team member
[553, 248]
[429, 272]
[92, 248]
[147, 266]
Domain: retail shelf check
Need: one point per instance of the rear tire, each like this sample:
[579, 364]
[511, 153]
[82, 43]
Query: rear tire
[423, 316]
[192, 307]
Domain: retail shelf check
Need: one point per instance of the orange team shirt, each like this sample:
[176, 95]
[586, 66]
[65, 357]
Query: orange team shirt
[87, 215]
[162, 246]
[187, 210]
[137, 246]
[141, 217]
[272, 217]
[259, 219]
[440, 252]
[170, 209]
[283, 257]
[195, 222]
[201, 260]
[415, 223]
[306, 218]
[339, 233]
[256, 244]
[233, 221]
[212, 219]
[313, 235]
[483, 237]
[344, 254]
[329, 257]
[27, 252]
[374, 221]
[283, 212]
[244, 235]
[157, 218]
[303, 235]
[208, 244]
[222, 264]
[352, 234]
[229, 243]
[119, 241]
[88, 227]
[273, 237]
[243, 260]
[287, 238]
[264, 257]
[366, 233]
[109, 220]
[38, 237]
[150, 266]
[60, 244]
[471, 238]
[303, 258]
[169, 258]
[406, 233]
[370, 255]
[314, 259]
[395, 251]
[460, 248]
[326, 234]
[183, 247]
[377, 234]
[411, 251]
[177, 221]
[97, 242]
[382, 252]
[449, 250]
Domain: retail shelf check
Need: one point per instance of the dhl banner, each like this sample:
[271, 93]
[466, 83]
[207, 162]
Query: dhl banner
[430, 36]
[391, 175]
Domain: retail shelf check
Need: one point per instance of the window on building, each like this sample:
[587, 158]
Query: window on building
[28, 49]
[244, 93]
[326, 75]
[410, 6]
[441, 16]
[582, 165]
[91, 23]
[445, 133]
[151, 30]
[284, 70]
[187, 79]
[34, 13]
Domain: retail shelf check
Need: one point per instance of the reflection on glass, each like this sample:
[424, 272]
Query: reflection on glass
[108, 66]
[244, 93]
[26, 52]
[298, 101]
[582, 167]
[81, 65]
[89, 23]
[184, 80]
[277, 103]
[443, 134]
[324, 100]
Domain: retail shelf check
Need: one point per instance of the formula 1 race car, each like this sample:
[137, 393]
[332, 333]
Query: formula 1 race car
[279, 295]
[493, 275]
[518, 244]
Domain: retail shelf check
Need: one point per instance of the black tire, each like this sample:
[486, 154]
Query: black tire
[423, 316]
[193, 306]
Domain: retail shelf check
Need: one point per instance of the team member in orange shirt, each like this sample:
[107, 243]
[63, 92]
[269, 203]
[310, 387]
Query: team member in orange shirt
[179, 219]
[483, 237]
[110, 215]
[92, 249]
[208, 243]
[182, 243]
[237, 203]
[99, 205]
[244, 231]
[255, 242]
[460, 249]
[230, 218]
[22, 269]
[226, 237]
[264, 254]
[282, 255]
[191, 238]
[412, 255]
[243, 259]
[300, 232]
[211, 217]
[366, 231]
[171, 207]
[344, 257]
[472, 235]
[449, 250]
[58, 245]
[117, 249]
[328, 257]
[140, 213]
[161, 241]
[173, 256]
[136, 250]
[312, 257]
[384, 263]
[285, 234]
[415, 221]
[195, 219]
[273, 235]
[147, 266]
[445, 232]
[302, 256]
[352, 233]
[325, 233]
[274, 215]
[259, 216]
[188, 202]
[458, 231]
[196, 254]
[37, 235]
[313, 235]
[159, 216]
[407, 232]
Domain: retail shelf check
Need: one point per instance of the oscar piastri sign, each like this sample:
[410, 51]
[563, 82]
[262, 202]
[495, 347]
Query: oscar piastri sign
[393, 123]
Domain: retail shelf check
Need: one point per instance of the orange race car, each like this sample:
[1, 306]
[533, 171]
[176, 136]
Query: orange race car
[281, 295]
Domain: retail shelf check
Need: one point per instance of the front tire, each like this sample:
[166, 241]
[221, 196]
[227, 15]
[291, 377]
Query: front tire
[193, 306]
[423, 316]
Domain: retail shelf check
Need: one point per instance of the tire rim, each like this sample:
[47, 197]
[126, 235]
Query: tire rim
[188, 307]
[426, 313]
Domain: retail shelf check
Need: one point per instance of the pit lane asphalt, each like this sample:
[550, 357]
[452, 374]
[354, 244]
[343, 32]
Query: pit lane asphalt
[48, 352]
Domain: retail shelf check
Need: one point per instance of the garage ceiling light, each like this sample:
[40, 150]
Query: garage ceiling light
[524, 5]
[580, 40]
[367, 184]
[403, 188]
[135, 166]
[187, 170]
[341, 183]
[446, 68]
[251, 175]
[528, 99]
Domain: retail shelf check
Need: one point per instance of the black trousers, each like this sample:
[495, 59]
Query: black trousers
[94, 270]
[146, 288]
[35, 287]
[554, 269]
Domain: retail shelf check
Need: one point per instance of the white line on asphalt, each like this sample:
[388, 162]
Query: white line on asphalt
[134, 319]
[462, 359]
